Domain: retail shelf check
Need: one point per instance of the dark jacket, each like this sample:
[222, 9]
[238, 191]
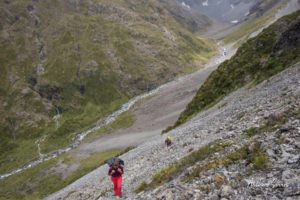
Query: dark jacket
[116, 172]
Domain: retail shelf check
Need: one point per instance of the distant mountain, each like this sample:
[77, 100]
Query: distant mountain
[229, 11]
[66, 64]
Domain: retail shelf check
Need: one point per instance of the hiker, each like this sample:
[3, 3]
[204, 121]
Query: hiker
[116, 172]
[168, 141]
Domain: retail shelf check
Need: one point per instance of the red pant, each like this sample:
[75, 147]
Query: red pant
[117, 185]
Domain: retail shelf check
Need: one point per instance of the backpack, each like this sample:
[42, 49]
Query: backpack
[168, 141]
[112, 161]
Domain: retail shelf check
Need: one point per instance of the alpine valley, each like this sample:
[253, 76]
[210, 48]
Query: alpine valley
[82, 81]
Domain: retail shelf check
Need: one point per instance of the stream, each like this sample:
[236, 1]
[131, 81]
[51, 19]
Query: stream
[78, 139]
[125, 107]
[108, 120]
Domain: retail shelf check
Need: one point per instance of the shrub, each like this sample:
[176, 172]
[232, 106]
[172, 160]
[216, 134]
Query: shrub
[252, 131]
[260, 162]
[142, 187]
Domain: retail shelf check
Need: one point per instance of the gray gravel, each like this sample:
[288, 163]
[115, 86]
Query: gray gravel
[227, 120]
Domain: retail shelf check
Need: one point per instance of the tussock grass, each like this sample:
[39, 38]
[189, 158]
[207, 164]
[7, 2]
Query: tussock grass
[171, 172]
[273, 122]
[254, 155]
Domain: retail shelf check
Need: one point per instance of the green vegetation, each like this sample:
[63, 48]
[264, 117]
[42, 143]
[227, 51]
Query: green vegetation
[46, 178]
[254, 155]
[171, 172]
[124, 121]
[19, 152]
[252, 131]
[142, 187]
[273, 122]
[261, 161]
[90, 63]
[256, 60]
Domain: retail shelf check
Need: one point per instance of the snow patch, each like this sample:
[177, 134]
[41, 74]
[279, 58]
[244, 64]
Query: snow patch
[235, 21]
[185, 5]
[205, 3]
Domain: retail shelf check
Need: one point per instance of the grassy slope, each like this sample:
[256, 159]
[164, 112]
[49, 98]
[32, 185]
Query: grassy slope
[96, 56]
[272, 51]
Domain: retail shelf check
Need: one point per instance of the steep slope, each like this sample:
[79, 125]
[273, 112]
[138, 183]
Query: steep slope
[210, 152]
[245, 145]
[276, 48]
[65, 64]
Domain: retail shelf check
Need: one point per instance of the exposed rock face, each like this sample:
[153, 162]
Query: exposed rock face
[290, 38]
[274, 102]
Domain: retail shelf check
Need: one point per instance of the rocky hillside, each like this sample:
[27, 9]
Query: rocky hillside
[245, 147]
[66, 64]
